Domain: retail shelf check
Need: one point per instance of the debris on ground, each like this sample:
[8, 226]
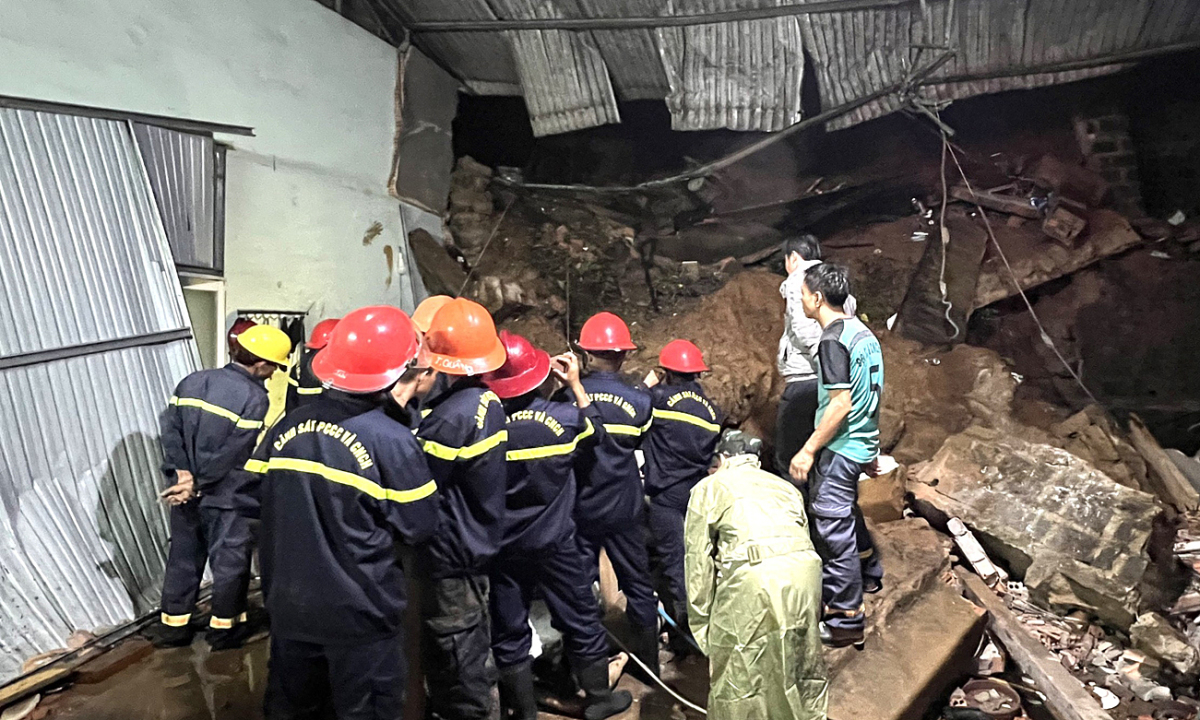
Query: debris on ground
[1077, 539]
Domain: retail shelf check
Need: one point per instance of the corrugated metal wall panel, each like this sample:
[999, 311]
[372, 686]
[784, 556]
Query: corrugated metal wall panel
[741, 75]
[632, 56]
[483, 60]
[82, 535]
[83, 257]
[181, 173]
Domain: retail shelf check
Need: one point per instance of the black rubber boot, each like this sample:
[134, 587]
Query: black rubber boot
[838, 637]
[602, 702]
[645, 647]
[516, 692]
[230, 639]
[165, 636]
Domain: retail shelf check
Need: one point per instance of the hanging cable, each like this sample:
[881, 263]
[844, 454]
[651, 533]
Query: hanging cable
[1045, 337]
[487, 244]
[944, 236]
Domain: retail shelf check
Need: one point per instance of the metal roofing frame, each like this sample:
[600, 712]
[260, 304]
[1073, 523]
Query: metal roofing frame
[94, 335]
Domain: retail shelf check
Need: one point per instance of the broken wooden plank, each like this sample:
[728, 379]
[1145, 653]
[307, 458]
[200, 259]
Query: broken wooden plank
[1063, 226]
[113, 661]
[1073, 181]
[994, 201]
[1168, 482]
[35, 681]
[1066, 697]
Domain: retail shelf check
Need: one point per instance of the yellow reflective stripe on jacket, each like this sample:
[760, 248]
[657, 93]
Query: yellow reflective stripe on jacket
[218, 411]
[618, 429]
[257, 467]
[445, 452]
[545, 451]
[357, 482]
[426, 412]
[684, 417]
[309, 390]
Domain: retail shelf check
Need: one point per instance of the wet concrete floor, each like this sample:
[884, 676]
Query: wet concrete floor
[194, 683]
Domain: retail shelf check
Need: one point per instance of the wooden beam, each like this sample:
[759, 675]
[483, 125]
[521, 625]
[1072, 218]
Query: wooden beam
[1066, 697]
[1167, 481]
[994, 201]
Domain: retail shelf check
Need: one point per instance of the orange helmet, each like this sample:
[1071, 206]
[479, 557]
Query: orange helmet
[321, 332]
[682, 356]
[368, 351]
[424, 313]
[525, 368]
[605, 332]
[462, 339]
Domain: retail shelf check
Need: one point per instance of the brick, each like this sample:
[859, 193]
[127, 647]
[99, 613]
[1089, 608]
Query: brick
[113, 661]
[1101, 147]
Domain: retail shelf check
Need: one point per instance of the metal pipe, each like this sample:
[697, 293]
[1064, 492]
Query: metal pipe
[1069, 65]
[64, 353]
[635, 23]
[181, 124]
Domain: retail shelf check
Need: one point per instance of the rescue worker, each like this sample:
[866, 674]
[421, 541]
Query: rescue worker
[678, 449]
[422, 317]
[208, 431]
[609, 511]
[302, 384]
[843, 445]
[343, 481]
[463, 436]
[546, 439]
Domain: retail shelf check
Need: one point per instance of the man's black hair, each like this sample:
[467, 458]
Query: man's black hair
[806, 245]
[242, 356]
[832, 281]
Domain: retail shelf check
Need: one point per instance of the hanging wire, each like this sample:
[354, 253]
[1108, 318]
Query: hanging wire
[487, 244]
[944, 236]
[1045, 337]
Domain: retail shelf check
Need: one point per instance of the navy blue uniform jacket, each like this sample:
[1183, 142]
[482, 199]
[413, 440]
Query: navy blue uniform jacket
[610, 484]
[303, 385]
[209, 429]
[546, 439]
[682, 438]
[463, 434]
[341, 483]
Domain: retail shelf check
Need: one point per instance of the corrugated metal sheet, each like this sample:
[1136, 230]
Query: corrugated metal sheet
[83, 258]
[738, 75]
[746, 74]
[856, 53]
[181, 173]
[82, 253]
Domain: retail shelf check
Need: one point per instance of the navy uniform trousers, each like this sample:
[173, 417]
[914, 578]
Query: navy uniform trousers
[840, 535]
[366, 681]
[563, 581]
[626, 550]
[666, 516]
[220, 537]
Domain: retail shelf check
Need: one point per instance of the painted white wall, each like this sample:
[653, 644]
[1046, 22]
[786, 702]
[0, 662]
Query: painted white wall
[318, 91]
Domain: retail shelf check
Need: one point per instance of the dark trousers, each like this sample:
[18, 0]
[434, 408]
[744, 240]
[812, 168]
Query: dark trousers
[626, 549]
[558, 574]
[456, 648]
[666, 515]
[222, 539]
[361, 681]
[794, 421]
[841, 538]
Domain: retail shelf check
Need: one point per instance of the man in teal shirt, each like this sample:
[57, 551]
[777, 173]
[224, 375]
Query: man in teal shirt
[845, 442]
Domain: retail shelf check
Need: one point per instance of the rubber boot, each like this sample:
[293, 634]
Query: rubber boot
[516, 692]
[229, 639]
[165, 636]
[602, 702]
[645, 647]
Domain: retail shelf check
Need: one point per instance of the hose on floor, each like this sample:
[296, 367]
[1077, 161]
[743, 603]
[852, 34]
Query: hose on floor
[657, 680]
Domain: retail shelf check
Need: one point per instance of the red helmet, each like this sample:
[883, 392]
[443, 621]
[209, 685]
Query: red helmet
[605, 331]
[682, 356]
[525, 369]
[239, 326]
[322, 331]
[368, 351]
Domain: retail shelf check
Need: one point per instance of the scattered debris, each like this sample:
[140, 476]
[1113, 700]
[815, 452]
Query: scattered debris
[1167, 482]
[1063, 226]
[974, 553]
[21, 710]
[1177, 218]
[1154, 635]
[1009, 204]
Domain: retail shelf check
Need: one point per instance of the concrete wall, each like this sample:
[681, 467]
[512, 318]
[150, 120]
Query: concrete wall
[308, 188]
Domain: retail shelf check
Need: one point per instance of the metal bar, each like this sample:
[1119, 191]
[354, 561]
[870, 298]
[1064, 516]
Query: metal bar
[74, 351]
[634, 23]
[181, 124]
[1113, 59]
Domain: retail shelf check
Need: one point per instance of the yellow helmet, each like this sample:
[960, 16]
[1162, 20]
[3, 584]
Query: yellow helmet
[266, 343]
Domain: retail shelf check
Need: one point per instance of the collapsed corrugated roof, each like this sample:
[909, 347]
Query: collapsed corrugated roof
[739, 64]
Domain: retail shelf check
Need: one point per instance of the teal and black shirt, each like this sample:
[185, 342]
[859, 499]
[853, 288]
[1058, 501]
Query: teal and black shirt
[849, 358]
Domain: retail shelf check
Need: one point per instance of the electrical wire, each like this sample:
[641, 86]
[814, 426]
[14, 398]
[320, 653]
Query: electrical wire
[944, 236]
[657, 680]
[1045, 337]
[479, 259]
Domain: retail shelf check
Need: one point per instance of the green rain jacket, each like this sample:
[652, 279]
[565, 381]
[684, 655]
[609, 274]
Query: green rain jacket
[754, 595]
